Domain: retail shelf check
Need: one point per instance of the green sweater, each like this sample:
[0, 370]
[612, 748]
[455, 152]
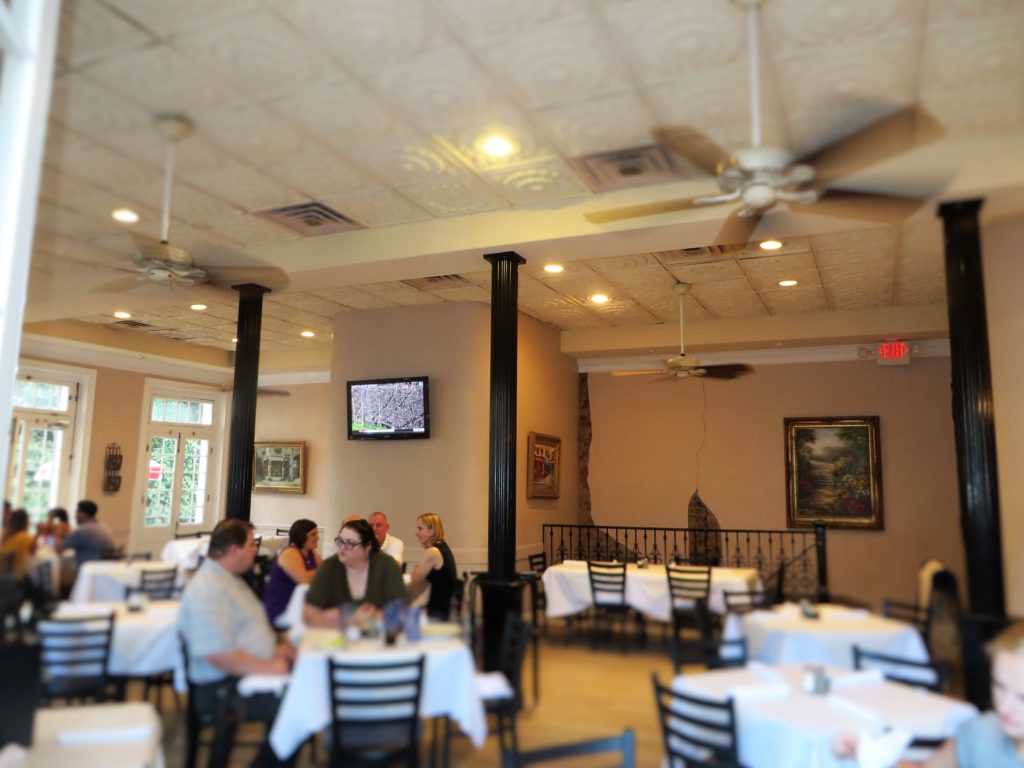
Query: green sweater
[329, 588]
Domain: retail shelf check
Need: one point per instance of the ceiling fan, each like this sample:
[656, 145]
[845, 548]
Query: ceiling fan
[160, 264]
[761, 176]
[683, 365]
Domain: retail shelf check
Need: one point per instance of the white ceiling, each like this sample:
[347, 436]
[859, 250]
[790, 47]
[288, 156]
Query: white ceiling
[373, 107]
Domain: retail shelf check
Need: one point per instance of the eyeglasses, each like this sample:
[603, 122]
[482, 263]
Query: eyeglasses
[346, 543]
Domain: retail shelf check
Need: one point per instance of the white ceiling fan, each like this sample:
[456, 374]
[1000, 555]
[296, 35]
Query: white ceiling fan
[158, 263]
[760, 176]
[683, 365]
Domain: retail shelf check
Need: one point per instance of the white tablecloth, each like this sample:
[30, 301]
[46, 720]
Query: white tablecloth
[567, 588]
[784, 636]
[448, 686]
[105, 581]
[779, 726]
[103, 736]
[185, 552]
[144, 642]
[46, 555]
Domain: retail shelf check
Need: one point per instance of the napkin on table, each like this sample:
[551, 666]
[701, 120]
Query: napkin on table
[857, 679]
[105, 735]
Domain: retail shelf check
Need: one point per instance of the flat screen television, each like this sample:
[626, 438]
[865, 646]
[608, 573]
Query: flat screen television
[389, 409]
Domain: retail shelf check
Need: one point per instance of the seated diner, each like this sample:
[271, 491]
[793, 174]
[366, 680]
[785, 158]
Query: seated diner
[435, 569]
[295, 564]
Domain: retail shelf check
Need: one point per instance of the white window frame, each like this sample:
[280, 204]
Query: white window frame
[141, 539]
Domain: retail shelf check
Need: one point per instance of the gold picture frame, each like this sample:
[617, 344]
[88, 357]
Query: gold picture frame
[279, 467]
[834, 472]
[543, 459]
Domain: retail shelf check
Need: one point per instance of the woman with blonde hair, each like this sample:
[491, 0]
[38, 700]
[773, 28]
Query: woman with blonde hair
[436, 568]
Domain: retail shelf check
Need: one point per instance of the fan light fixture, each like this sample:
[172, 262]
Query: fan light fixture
[554, 269]
[124, 215]
[120, 315]
[787, 283]
[599, 298]
[770, 245]
[198, 307]
[308, 334]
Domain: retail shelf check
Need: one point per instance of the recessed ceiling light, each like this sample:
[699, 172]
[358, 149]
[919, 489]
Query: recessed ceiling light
[124, 215]
[771, 245]
[198, 307]
[554, 268]
[787, 283]
[308, 334]
[599, 298]
[120, 315]
[496, 145]
[234, 341]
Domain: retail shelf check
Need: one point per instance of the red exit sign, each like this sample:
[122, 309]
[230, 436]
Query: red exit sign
[893, 353]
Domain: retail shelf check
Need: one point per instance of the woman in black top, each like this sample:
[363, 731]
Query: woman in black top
[436, 568]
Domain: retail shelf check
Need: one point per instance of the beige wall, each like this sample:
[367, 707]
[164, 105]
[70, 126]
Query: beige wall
[1004, 277]
[646, 434]
[447, 473]
[302, 416]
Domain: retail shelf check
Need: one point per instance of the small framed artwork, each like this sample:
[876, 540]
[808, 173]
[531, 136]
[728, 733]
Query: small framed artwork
[544, 458]
[279, 467]
[834, 472]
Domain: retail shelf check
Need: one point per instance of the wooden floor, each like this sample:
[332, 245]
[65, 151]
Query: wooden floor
[585, 694]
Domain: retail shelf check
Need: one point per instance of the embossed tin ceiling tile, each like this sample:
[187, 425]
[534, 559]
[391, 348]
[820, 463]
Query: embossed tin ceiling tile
[802, 263]
[454, 196]
[377, 207]
[319, 174]
[796, 300]
[464, 293]
[199, 240]
[790, 25]
[74, 225]
[477, 21]
[624, 313]
[306, 301]
[400, 293]
[253, 133]
[663, 40]
[860, 297]
[640, 282]
[607, 123]
[94, 110]
[247, 188]
[973, 52]
[858, 239]
[165, 18]
[942, 12]
[536, 182]
[469, 141]
[109, 169]
[535, 294]
[352, 298]
[249, 230]
[367, 34]
[580, 285]
[566, 60]
[716, 295]
[978, 108]
[915, 285]
[89, 30]
[257, 52]
[614, 264]
[162, 80]
[338, 109]
[407, 159]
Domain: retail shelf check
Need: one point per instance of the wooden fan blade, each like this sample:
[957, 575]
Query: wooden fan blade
[693, 146]
[639, 373]
[636, 211]
[737, 229]
[902, 131]
[274, 278]
[863, 206]
[726, 371]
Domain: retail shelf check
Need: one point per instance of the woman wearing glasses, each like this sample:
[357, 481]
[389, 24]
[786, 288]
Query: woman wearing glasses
[436, 568]
[361, 575]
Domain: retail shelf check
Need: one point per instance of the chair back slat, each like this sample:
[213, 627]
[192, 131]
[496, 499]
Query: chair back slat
[696, 730]
[157, 583]
[919, 674]
[710, 653]
[688, 583]
[624, 744]
[745, 601]
[607, 582]
[74, 653]
[538, 562]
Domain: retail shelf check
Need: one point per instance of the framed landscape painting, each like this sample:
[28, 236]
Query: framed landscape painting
[279, 467]
[833, 472]
[544, 460]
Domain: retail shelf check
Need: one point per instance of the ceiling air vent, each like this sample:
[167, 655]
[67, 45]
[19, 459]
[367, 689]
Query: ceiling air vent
[437, 282]
[132, 324]
[694, 255]
[310, 219]
[636, 167]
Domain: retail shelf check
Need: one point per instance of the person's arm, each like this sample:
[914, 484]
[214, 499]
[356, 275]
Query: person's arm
[312, 616]
[292, 563]
[943, 757]
[399, 553]
[237, 662]
[431, 561]
[322, 599]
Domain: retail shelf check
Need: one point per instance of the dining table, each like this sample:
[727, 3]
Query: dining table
[789, 634]
[449, 684]
[567, 588]
[116, 735]
[779, 725]
[108, 580]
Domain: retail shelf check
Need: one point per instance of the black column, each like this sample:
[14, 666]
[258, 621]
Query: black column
[972, 407]
[243, 403]
[501, 592]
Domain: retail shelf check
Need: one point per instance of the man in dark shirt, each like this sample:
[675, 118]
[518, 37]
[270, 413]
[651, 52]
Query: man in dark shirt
[91, 538]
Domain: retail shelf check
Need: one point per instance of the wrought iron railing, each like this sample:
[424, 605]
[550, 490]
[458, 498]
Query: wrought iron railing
[790, 561]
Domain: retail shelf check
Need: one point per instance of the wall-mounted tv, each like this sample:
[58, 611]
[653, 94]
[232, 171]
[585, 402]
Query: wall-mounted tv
[389, 409]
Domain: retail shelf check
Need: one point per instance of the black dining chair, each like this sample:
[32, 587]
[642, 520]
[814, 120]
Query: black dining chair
[709, 653]
[911, 613]
[919, 674]
[696, 731]
[282, 531]
[608, 591]
[12, 597]
[624, 745]
[745, 601]
[688, 587]
[156, 584]
[538, 563]
[75, 654]
[375, 711]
